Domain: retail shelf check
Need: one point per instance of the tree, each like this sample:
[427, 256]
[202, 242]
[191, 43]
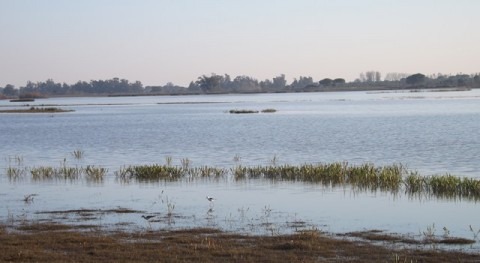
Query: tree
[9, 90]
[326, 82]
[245, 84]
[394, 76]
[370, 76]
[476, 80]
[301, 83]
[279, 83]
[415, 79]
[209, 84]
[338, 81]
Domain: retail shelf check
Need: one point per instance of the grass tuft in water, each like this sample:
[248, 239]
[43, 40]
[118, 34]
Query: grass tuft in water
[95, 174]
[78, 154]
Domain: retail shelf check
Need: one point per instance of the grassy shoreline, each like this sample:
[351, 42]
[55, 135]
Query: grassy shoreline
[47, 242]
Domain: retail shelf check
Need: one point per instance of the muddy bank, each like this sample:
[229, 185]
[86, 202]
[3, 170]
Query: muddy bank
[42, 242]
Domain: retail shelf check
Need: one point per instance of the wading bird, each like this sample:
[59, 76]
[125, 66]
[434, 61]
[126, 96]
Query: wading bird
[210, 199]
[148, 217]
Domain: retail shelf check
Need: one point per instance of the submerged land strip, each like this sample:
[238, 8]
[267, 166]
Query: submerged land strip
[36, 110]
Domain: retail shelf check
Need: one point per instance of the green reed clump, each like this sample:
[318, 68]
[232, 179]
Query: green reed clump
[59, 173]
[15, 173]
[43, 173]
[470, 187]
[449, 186]
[206, 172]
[78, 154]
[391, 177]
[151, 172]
[327, 174]
[70, 173]
[16, 170]
[365, 176]
[414, 183]
[94, 173]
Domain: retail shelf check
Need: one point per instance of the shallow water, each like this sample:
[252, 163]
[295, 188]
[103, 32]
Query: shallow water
[431, 132]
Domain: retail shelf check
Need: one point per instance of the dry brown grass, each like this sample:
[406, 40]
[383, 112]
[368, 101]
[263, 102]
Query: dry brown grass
[46, 242]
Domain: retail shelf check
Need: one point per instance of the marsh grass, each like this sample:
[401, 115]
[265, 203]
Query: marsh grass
[444, 186]
[15, 173]
[149, 173]
[95, 174]
[365, 177]
[185, 163]
[78, 154]
[50, 242]
[15, 170]
[170, 206]
[58, 173]
[43, 173]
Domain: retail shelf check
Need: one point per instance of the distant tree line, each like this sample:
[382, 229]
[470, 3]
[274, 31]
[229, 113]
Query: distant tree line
[51, 88]
[216, 84]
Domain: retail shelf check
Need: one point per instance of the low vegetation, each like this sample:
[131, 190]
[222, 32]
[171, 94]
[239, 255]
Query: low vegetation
[269, 110]
[48, 242]
[236, 111]
[366, 177]
[36, 110]
[243, 111]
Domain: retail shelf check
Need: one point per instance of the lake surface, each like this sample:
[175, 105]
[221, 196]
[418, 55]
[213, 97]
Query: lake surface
[429, 132]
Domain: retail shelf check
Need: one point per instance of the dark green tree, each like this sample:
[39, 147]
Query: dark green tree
[338, 81]
[416, 79]
[326, 82]
[210, 84]
[9, 90]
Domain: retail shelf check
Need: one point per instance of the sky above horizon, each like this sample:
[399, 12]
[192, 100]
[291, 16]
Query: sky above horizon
[160, 41]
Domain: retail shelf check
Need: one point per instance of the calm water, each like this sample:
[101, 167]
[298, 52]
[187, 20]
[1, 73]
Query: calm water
[430, 132]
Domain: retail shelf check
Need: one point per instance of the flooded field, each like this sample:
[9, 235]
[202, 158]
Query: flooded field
[428, 133]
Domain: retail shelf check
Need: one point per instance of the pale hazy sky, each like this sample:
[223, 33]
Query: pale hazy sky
[160, 41]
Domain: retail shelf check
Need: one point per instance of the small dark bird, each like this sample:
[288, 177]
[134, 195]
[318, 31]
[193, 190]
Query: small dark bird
[148, 217]
[210, 199]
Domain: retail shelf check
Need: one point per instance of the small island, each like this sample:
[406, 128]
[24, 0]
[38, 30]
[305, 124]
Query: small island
[36, 110]
[235, 111]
